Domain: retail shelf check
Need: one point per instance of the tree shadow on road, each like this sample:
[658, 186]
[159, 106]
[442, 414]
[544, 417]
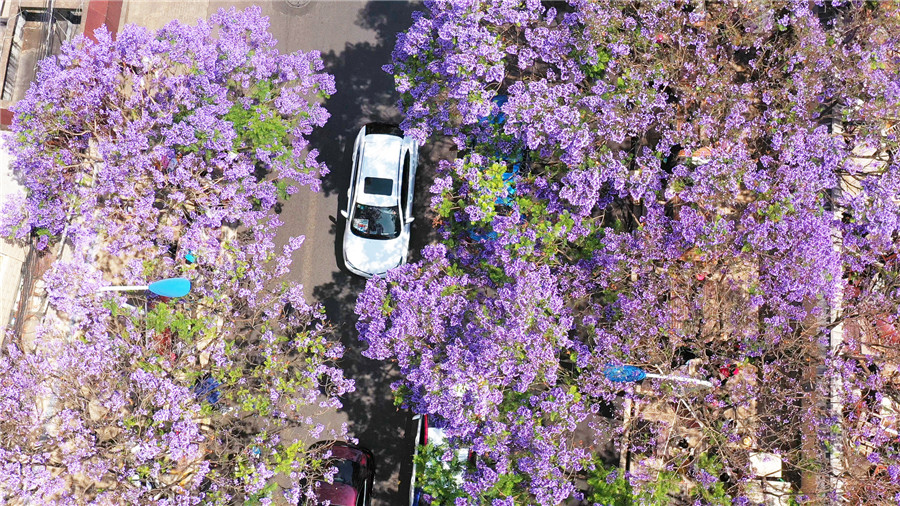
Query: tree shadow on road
[372, 417]
[365, 93]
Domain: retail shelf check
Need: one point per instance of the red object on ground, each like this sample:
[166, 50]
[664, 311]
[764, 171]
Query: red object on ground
[352, 485]
[339, 494]
[729, 370]
[164, 345]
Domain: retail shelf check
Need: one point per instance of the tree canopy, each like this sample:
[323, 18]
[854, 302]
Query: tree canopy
[154, 155]
[694, 188]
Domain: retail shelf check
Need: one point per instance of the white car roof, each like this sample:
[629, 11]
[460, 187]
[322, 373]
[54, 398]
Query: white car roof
[380, 159]
[436, 436]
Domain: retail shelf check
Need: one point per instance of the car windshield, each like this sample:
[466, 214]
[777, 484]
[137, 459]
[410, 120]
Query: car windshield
[374, 222]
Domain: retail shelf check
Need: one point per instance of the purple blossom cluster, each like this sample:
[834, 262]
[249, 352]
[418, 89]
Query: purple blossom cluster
[703, 187]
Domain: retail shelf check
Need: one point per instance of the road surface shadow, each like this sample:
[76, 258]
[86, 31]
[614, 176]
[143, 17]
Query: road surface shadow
[365, 93]
[372, 417]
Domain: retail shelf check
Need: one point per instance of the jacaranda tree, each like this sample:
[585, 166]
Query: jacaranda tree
[154, 155]
[705, 189]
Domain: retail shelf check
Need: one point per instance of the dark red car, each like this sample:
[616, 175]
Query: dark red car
[352, 484]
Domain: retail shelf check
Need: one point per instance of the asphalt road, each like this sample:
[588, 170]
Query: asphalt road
[356, 39]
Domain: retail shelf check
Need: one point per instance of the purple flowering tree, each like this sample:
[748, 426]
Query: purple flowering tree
[169, 131]
[703, 190]
[155, 155]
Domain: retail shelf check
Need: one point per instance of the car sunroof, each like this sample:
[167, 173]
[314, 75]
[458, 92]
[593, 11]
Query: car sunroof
[378, 186]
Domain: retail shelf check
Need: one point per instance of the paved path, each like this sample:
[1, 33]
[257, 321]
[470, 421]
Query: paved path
[356, 40]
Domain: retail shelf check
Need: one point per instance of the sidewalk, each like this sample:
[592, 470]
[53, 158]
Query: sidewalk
[15, 260]
[156, 14]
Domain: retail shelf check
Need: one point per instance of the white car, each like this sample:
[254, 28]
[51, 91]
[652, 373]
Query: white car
[379, 200]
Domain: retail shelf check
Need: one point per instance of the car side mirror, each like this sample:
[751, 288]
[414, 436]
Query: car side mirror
[410, 219]
[344, 213]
